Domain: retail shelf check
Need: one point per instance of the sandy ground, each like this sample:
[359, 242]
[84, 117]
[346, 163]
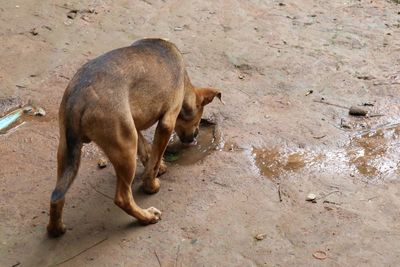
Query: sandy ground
[264, 56]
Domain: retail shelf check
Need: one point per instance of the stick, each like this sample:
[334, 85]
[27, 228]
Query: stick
[177, 255]
[324, 196]
[101, 193]
[80, 253]
[330, 104]
[375, 115]
[279, 193]
[383, 127]
[331, 202]
[158, 259]
[65, 7]
[383, 83]
[240, 90]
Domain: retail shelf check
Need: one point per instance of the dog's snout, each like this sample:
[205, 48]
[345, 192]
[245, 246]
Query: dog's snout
[196, 133]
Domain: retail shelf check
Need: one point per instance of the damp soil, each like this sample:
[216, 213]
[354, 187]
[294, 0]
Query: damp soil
[273, 62]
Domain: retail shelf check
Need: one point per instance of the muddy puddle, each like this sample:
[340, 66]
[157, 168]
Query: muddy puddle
[374, 154]
[16, 117]
[272, 162]
[208, 140]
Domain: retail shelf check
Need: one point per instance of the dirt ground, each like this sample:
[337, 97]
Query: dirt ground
[277, 140]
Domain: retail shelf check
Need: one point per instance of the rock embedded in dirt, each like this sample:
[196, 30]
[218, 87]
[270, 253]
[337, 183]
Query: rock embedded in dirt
[34, 32]
[357, 111]
[102, 163]
[260, 237]
[72, 14]
[309, 92]
[27, 109]
[40, 112]
[311, 197]
[320, 255]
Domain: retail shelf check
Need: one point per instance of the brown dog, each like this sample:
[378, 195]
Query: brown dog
[109, 101]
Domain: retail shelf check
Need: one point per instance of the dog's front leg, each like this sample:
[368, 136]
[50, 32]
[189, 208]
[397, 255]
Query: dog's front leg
[144, 151]
[164, 129]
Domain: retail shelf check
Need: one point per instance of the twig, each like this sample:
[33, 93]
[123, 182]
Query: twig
[240, 90]
[80, 253]
[221, 184]
[331, 202]
[177, 255]
[65, 77]
[101, 193]
[279, 193]
[65, 7]
[319, 137]
[384, 126]
[340, 128]
[383, 83]
[330, 104]
[375, 115]
[324, 196]
[158, 259]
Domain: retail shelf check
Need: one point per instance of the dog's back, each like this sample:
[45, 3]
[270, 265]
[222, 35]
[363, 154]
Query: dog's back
[142, 80]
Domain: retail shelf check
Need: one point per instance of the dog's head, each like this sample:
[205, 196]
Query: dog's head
[187, 124]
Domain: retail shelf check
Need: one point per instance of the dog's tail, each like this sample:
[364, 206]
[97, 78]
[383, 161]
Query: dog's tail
[68, 155]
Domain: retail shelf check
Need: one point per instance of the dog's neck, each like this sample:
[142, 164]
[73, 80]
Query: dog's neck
[189, 99]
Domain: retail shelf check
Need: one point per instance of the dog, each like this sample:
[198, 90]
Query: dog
[109, 101]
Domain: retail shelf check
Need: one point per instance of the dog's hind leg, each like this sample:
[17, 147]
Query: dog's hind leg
[68, 160]
[144, 150]
[121, 148]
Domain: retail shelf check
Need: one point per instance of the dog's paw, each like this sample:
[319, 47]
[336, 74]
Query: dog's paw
[56, 230]
[151, 186]
[162, 169]
[152, 214]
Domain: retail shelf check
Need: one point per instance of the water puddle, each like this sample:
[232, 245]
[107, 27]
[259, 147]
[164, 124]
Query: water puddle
[373, 154]
[208, 140]
[376, 152]
[271, 162]
[17, 117]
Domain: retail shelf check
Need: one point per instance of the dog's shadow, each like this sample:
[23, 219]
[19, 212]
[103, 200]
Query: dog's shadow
[91, 220]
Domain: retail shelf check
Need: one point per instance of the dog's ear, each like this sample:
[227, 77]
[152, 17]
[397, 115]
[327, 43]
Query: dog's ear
[206, 95]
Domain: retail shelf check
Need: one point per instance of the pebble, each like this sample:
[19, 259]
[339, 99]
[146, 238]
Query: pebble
[102, 163]
[40, 112]
[311, 197]
[357, 111]
[260, 237]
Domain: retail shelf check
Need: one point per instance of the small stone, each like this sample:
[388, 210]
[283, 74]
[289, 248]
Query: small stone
[102, 163]
[27, 109]
[40, 112]
[311, 197]
[260, 237]
[241, 76]
[357, 111]
[72, 14]
[34, 32]
[170, 189]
